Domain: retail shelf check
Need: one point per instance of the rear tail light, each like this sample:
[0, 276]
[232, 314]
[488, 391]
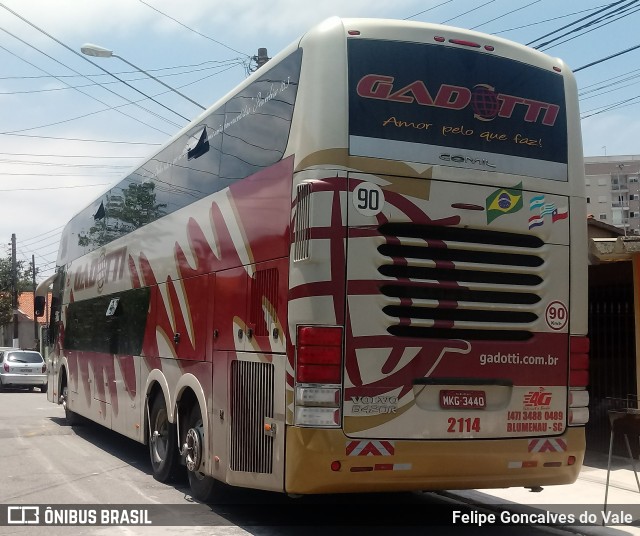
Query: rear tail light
[578, 381]
[579, 362]
[318, 391]
[44, 368]
[319, 357]
[5, 367]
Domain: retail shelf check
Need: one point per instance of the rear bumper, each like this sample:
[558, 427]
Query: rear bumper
[22, 379]
[394, 465]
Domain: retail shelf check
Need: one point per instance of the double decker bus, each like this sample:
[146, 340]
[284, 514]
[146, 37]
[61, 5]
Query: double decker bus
[363, 269]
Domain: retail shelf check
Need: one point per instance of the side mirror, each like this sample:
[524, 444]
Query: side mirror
[39, 305]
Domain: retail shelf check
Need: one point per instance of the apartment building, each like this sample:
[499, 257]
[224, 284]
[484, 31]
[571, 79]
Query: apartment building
[613, 191]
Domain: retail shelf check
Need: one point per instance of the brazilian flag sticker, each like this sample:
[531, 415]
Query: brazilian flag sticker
[504, 201]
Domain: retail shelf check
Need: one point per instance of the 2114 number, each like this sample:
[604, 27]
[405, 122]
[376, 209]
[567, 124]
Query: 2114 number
[463, 425]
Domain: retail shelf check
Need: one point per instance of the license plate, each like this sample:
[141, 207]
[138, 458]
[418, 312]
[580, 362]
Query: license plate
[26, 371]
[462, 399]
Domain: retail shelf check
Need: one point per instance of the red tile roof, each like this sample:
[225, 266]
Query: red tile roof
[25, 306]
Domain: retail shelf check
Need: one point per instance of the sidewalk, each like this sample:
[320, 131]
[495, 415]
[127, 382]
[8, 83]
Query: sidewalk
[588, 490]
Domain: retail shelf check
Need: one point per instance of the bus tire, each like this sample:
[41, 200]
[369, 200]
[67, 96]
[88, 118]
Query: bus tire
[202, 486]
[163, 442]
[70, 417]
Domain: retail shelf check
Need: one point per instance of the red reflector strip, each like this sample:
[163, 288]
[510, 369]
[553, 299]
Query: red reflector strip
[318, 373]
[464, 43]
[579, 345]
[383, 467]
[360, 469]
[522, 465]
[579, 362]
[319, 336]
[319, 355]
[552, 464]
[392, 467]
[578, 378]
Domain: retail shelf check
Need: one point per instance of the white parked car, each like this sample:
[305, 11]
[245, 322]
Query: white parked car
[22, 368]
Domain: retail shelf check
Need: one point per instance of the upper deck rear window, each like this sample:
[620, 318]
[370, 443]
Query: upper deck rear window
[444, 105]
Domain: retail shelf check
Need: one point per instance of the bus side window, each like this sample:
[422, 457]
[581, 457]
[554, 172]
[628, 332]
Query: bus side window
[53, 320]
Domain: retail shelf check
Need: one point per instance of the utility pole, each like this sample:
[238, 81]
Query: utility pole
[262, 57]
[35, 318]
[14, 291]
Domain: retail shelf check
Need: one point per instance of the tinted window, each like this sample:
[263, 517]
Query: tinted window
[24, 357]
[248, 133]
[111, 324]
[444, 105]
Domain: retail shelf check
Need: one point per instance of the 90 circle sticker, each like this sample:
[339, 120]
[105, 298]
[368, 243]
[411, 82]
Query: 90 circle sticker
[368, 199]
[556, 315]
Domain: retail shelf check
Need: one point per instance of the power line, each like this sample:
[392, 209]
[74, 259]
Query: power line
[54, 233]
[607, 108]
[467, 12]
[71, 155]
[88, 75]
[430, 9]
[192, 30]
[606, 59]
[604, 8]
[102, 84]
[85, 59]
[79, 139]
[69, 120]
[622, 16]
[546, 20]
[598, 92]
[587, 24]
[11, 174]
[60, 164]
[78, 90]
[587, 86]
[55, 187]
[505, 14]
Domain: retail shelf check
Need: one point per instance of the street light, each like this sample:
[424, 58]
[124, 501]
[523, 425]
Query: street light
[101, 52]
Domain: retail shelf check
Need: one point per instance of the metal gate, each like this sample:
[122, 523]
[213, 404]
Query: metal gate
[613, 350]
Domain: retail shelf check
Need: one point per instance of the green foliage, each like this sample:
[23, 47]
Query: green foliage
[24, 284]
[121, 214]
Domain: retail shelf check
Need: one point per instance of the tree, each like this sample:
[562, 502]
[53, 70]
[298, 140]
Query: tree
[24, 276]
[121, 214]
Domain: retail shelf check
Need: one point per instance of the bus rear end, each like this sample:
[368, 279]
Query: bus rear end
[439, 278]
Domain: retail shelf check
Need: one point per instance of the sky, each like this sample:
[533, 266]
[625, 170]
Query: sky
[68, 129]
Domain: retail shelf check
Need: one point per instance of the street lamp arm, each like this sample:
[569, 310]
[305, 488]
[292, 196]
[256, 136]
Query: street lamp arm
[157, 80]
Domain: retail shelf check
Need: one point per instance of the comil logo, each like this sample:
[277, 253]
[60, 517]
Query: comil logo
[537, 399]
[485, 101]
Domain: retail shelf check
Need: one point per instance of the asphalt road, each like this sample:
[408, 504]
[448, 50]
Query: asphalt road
[44, 462]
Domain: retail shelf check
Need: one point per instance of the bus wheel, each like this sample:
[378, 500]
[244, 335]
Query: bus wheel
[70, 417]
[202, 486]
[163, 442]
